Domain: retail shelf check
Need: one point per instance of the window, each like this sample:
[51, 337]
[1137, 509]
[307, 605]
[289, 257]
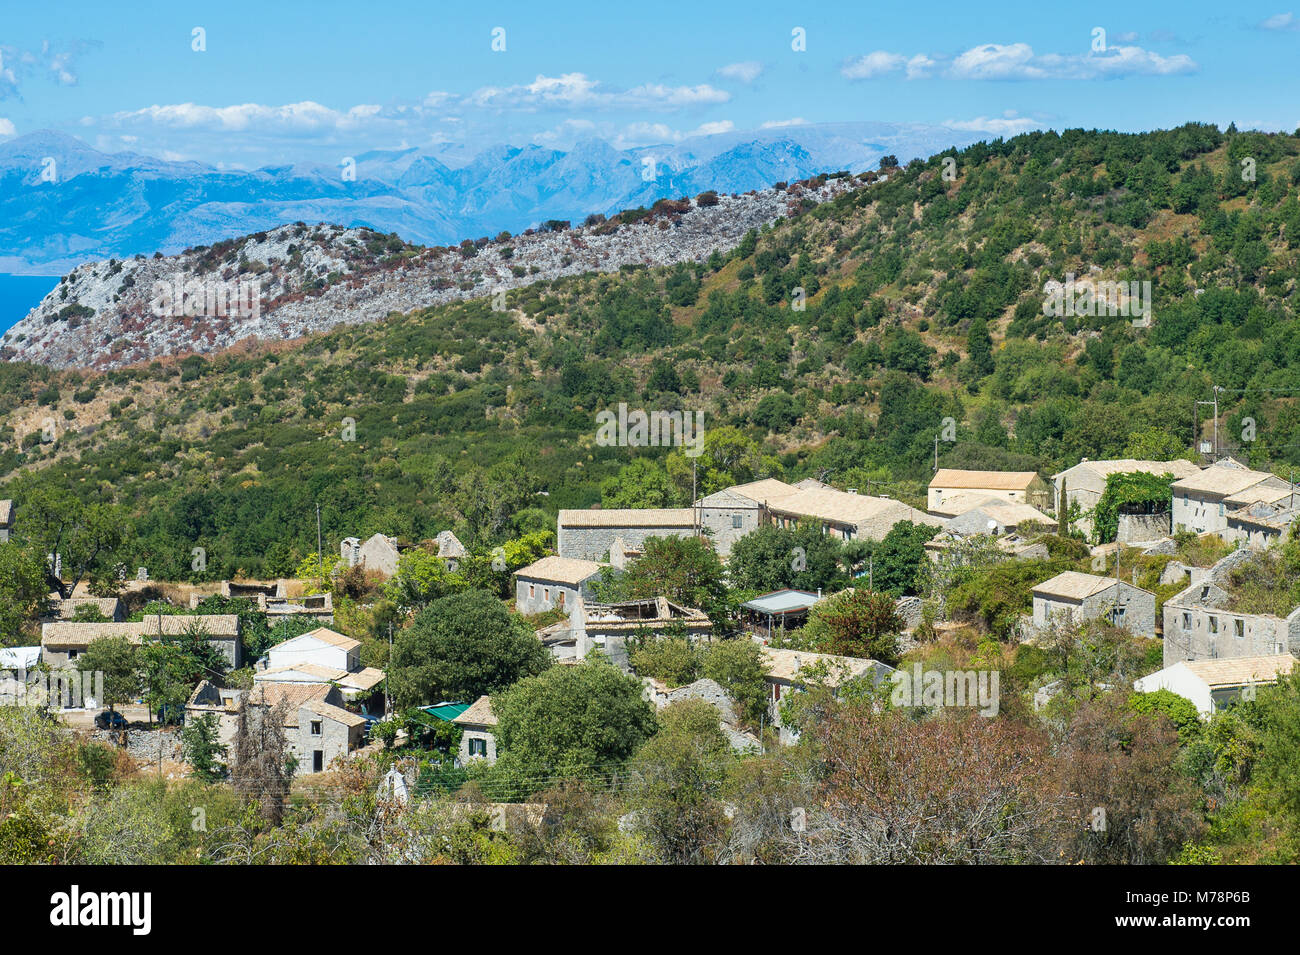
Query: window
[478, 747]
[561, 600]
[735, 521]
[1214, 625]
[317, 760]
[546, 593]
[1239, 629]
[1187, 621]
[532, 591]
[315, 727]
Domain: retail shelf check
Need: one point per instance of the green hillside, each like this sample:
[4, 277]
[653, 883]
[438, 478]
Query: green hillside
[922, 300]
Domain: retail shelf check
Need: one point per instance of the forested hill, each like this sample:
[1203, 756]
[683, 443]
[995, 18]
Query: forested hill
[922, 298]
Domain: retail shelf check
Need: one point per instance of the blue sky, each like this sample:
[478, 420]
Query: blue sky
[283, 81]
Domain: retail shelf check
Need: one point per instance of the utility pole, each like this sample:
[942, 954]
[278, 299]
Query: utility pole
[388, 706]
[1216, 424]
[936, 452]
[320, 557]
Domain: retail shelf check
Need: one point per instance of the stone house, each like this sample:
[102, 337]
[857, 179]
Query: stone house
[844, 514]
[110, 608]
[1199, 626]
[62, 643]
[1212, 684]
[554, 583]
[451, 550]
[378, 553]
[589, 534]
[1086, 482]
[996, 517]
[218, 701]
[608, 626]
[660, 695]
[6, 520]
[728, 516]
[1203, 500]
[787, 672]
[478, 725]
[317, 727]
[1016, 487]
[1073, 597]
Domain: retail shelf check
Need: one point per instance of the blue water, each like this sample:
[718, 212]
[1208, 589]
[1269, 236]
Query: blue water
[19, 294]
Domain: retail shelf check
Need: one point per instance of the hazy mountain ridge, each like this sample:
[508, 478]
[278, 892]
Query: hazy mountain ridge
[113, 205]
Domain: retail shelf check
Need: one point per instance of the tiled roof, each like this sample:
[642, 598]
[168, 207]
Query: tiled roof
[1075, 585]
[332, 712]
[629, 517]
[787, 664]
[976, 480]
[293, 694]
[561, 570]
[1178, 467]
[1237, 671]
[478, 714]
[1222, 480]
[725, 499]
[220, 626]
[763, 491]
[66, 609]
[332, 637]
[841, 507]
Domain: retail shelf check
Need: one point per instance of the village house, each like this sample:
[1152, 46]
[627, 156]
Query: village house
[1212, 684]
[322, 656]
[608, 626]
[1016, 487]
[451, 550]
[1072, 597]
[6, 520]
[788, 671]
[1262, 523]
[478, 726]
[590, 534]
[1085, 483]
[271, 599]
[62, 643]
[844, 514]
[1200, 624]
[60, 608]
[208, 699]
[660, 695]
[379, 553]
[554, 583]
[997, 517]
[1202, 501]
[728, 516]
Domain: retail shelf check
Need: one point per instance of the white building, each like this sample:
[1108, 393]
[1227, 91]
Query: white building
[1212, 684]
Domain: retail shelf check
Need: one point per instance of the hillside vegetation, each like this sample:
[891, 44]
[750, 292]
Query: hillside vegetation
[921, 299]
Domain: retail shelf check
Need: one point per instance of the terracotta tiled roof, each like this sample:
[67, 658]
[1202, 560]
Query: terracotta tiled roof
[976, 480]
[629, 517]
[1238, 671]
[478, 714]
[561, 570]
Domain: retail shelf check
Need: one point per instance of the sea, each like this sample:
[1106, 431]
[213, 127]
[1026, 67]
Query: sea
[19, 294]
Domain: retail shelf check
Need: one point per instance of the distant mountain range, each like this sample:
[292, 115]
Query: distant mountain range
[88, 205]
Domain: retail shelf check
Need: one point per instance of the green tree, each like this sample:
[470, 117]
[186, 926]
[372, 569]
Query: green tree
[737, 666]
[857, 623]
[676, 783]
[642, 482]
[23, 589]
[203, 749]
[461, 647]
[686, 570]
[118, 659]
[570, 721]
[979, 346]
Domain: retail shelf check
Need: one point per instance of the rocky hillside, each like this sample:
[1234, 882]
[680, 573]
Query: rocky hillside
[298, 279]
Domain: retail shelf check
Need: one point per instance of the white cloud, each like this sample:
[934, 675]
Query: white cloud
[782, 123]
[1285, 22]
[6, 127]
[872, 65]
[1009, 124]
[650, 134]
[306, 116]
[1017, 61]
[745, 72]
[578, 91]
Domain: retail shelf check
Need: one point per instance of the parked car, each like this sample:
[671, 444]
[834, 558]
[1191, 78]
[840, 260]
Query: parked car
[110, 720]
